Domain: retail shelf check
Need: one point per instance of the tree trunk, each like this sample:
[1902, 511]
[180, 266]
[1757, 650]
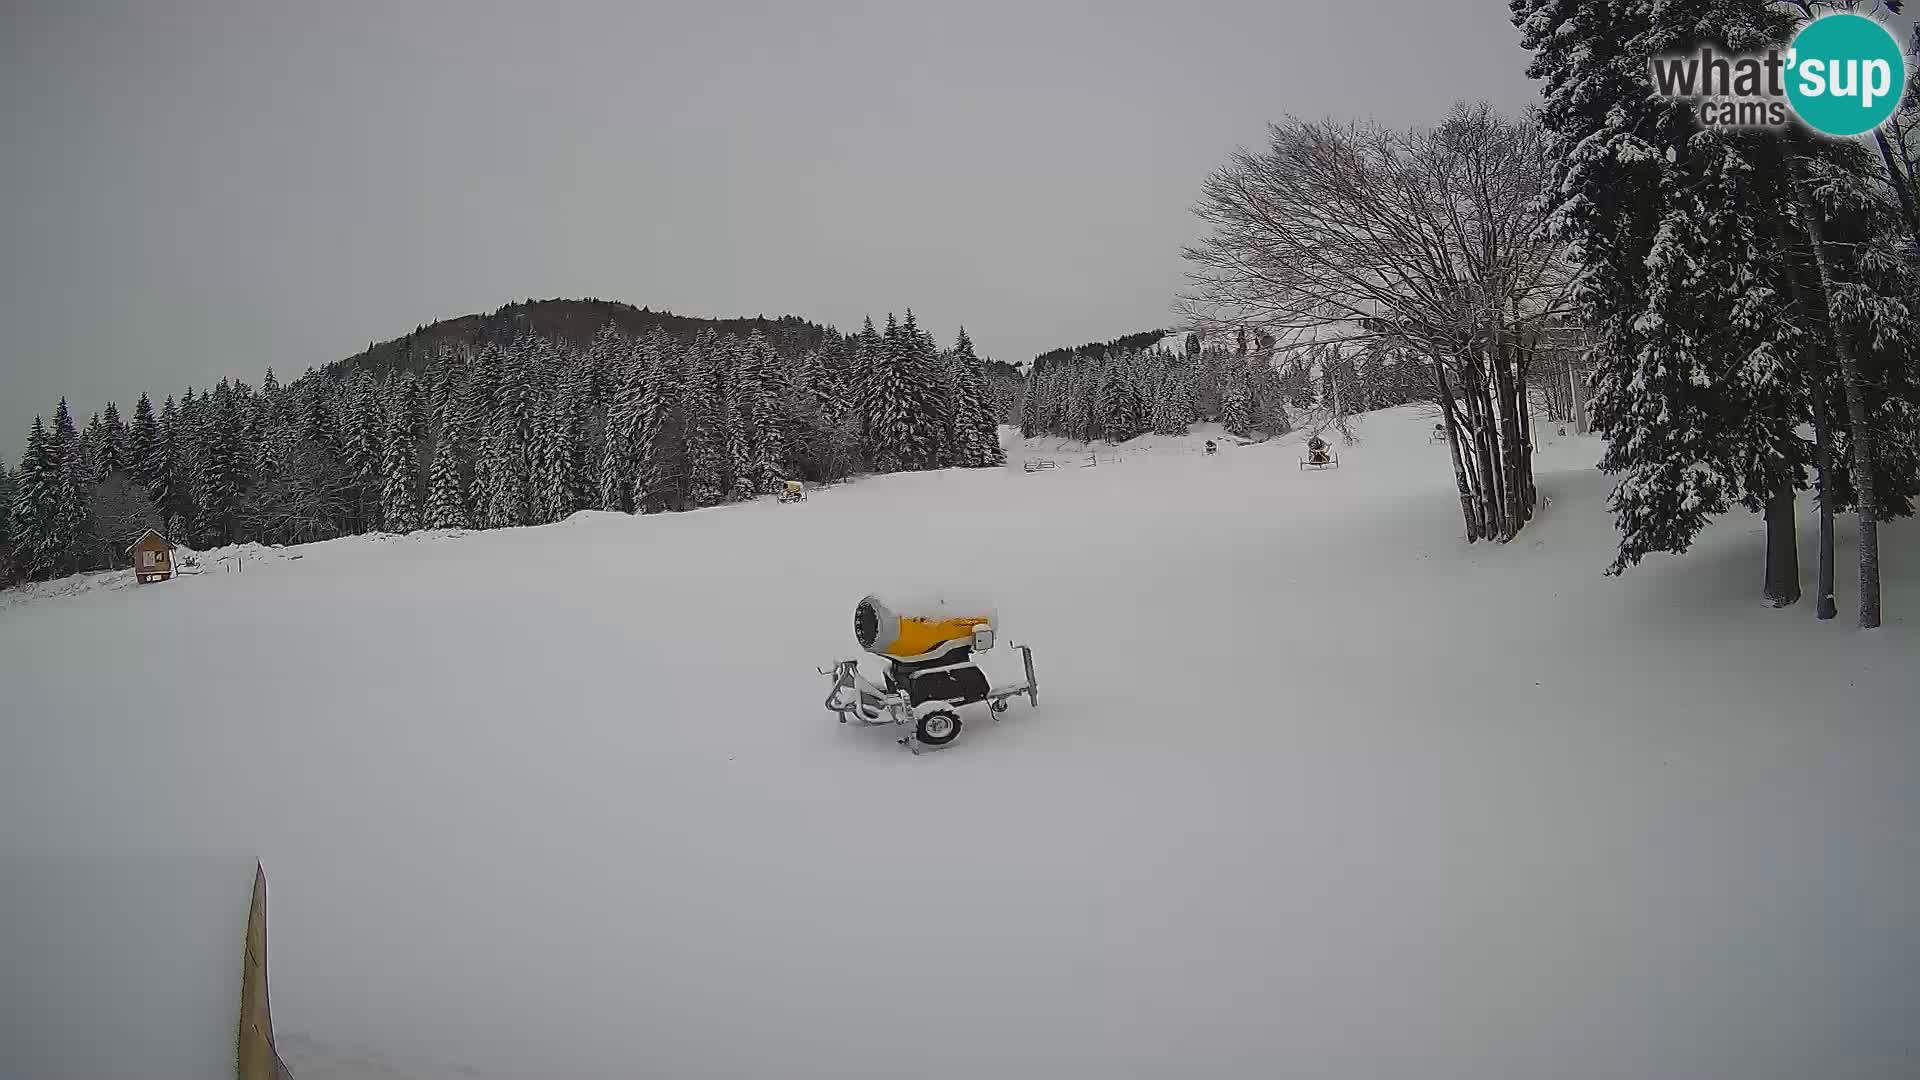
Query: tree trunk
[1576, 388]
[1452, 424]
[1823, 605]
[1862, 436]
[1508, 434]
[1532, 494]
[1898, 178]
[1486, 456]
[1783, 546]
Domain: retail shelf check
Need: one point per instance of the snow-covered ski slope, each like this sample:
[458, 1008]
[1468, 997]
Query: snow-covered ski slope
[1314, 789]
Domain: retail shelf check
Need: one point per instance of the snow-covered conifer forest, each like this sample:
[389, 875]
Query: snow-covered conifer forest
[513, 429]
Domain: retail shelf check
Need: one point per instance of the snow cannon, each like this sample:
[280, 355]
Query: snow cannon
[928, 644]
[915, 631]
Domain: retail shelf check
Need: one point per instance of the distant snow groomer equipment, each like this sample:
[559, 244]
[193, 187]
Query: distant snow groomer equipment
[1319, 456]
[928, 646]
[792, 491]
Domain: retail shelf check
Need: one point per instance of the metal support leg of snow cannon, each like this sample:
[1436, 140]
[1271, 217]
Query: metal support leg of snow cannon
[852, 697]
[1033, 684]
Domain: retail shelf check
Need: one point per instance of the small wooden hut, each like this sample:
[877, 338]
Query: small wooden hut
[152, 557]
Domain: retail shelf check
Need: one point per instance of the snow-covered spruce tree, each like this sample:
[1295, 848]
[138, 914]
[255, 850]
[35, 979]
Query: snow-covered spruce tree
[760, 382]
[704, 425]
[33, 518]
[1674, 233]
[626, 378]
[165, 474]
[400, 510]
[503, 472]
[1078, 413]
[578, 433]
[559, 467]
[9, 566]
[729, 399]
[937, 396]
[93, 440]
[976, 429]
[269, 443]
[1182, 408]
[447, 483]
[1867, 398]
[140, 438]
[549, 461]
[72, 522]
[360, 424]
[920, 444]
[1236, 400]
[868, 356]
[1030, 411]
[903, 425]
[497, 502]
[602, 368]
[110, 452]
[828, 374]
[659, 450]
[217, 476]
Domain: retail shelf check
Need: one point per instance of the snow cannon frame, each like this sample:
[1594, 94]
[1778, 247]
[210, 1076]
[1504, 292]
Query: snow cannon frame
[929, 649]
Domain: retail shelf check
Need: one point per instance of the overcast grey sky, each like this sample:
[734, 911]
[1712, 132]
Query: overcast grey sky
[192, 190]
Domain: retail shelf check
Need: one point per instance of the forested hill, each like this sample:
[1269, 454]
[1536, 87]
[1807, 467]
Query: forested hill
[568, 323]
[1145, 339]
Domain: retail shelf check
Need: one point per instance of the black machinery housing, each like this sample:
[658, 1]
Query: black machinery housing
[952, 678]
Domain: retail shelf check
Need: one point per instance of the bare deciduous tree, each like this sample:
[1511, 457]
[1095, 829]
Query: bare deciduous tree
[1426, 242]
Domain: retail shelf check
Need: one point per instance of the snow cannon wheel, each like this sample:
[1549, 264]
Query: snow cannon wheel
[999, 705]
[938, 727]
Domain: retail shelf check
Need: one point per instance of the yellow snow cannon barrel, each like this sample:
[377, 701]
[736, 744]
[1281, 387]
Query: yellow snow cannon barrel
[922, 629]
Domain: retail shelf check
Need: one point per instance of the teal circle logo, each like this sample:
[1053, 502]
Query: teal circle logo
[1845, 74]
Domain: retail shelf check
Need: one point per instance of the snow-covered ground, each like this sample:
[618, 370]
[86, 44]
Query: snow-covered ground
[1314, 789]
[121, 965]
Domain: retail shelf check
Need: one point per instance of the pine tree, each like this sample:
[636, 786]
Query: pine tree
[1236, 402]
[869, 354]
[8, 564]
[1118, 400]
[111, 454]
[626, 375]
[657, 452]
[502, 488]
[1675, 231]
[1182, 412]
[447, 484]
[558, 468]
[1030, 404]
[36, 539]
[165, 473]
[922, 433]
[731, 399]
[976, 431]
[704, 426]
[400, 459]
[140, 439]
[760, 383]
[218, 476]
[72, 486]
